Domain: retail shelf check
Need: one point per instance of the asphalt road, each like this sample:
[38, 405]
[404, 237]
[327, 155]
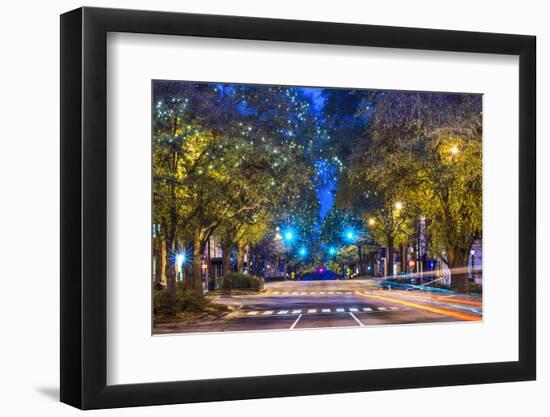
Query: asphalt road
[322, 304]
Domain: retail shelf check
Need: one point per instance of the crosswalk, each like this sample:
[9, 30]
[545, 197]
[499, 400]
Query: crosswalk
[289, 293]
[321, 310]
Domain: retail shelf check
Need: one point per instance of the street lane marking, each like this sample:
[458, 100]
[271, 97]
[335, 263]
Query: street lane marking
[353, 309]
[312, 310]
[275, 292]
[367, 309]
[297, 311]
[382, 308]
[295, 292]
[340, 310]
[348, 292]
[322, 292]
[296, 322]
[326, 310]
[303, 293]
[286, 293]
[283, 312]
[268, 312]
[394, 308]
[356, 319]
[252, 313]
[449, 313]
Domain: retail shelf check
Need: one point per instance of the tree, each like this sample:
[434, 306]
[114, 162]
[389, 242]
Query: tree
[425, 151]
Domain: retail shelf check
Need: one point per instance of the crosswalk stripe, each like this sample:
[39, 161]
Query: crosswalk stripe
[348, 292]
[275, 292]
[382, 308]
[283, 312]
[286, 293]
[353, 309]
[394, 308]
[340, 310]
[331, 292]
[252, 313]
[326, 310]
[303, 293]
[295, 292]
[367, 309]
[268, 312]
[296, 311]
[322, 292]
[312, 310]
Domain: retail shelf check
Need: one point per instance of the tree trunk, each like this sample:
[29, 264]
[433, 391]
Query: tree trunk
[226, 262]
[197, 262]
[240, 257]
[163, 261]
[458, 265]
[389, 254]
[170, 267]
[361, 265]
[403, 258]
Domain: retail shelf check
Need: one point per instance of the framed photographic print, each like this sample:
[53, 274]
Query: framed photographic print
[257, 208]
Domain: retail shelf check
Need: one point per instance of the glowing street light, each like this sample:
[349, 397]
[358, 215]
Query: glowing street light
[455, 150]
[372, 222]
[288, 235]
[302, 252]
[180, 259]
[332, 251]
[398, 205]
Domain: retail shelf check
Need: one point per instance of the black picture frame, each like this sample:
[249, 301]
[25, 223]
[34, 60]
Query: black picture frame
[84, 207]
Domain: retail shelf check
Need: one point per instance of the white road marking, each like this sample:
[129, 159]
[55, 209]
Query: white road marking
[252, 313]
[367, 309]
[296, 322]
[353, 309]
[275, 292]
[331, 292]
[348, 292]
[286, 293]
[356, 319]
[295, 292]
[312, 310]
[303, 293]
[340, 310]
[394, 308]
[297, 311]
[382, 308]
[322, 292]
[283, 312]
[268, 312]
[326, 310]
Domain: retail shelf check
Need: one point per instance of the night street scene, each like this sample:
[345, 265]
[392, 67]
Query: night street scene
[287, 207]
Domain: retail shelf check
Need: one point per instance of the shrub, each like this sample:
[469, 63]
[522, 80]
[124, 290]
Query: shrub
[244, 281]
[164, 303]
[191, 300]
[256, 283]
[185, 300]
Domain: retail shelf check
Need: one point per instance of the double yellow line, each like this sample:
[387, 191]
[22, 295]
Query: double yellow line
[449, 313]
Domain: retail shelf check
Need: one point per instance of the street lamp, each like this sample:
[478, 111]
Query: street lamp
[302, 252]
[372, 222]
[332, 251]
[398, 205]
[455, 150]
